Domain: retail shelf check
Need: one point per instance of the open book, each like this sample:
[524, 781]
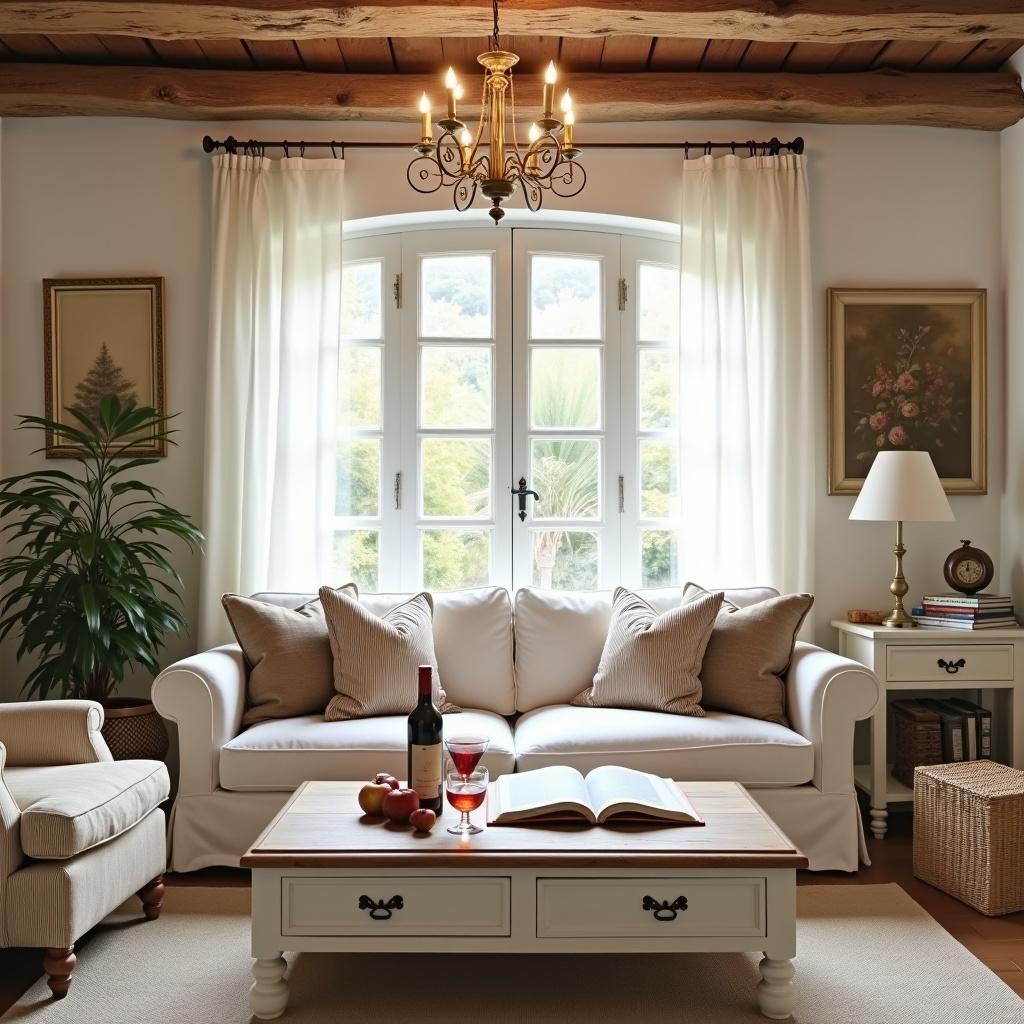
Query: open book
[563, 794]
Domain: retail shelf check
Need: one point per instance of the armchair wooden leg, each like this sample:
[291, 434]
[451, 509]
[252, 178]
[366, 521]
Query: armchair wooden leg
[58, 965]
[152, 896]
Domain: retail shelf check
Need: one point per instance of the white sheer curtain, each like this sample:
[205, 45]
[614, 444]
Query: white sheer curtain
[747, 421]
[275, 307]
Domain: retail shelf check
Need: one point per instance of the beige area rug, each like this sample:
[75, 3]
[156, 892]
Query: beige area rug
[867, 955]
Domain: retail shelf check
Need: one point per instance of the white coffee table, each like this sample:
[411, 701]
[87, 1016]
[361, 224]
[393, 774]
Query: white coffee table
[325, 879]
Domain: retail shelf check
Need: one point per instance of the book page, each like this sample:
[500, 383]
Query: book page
[543, 789]
[613, 787]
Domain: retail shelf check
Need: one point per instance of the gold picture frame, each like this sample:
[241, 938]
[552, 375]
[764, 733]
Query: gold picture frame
[102, 335]
[906, 370]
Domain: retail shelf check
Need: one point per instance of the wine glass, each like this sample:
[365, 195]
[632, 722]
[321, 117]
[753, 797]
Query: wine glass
[466, 793]
[466, 751]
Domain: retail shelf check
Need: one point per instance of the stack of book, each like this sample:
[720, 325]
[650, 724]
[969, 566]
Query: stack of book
[963, 611]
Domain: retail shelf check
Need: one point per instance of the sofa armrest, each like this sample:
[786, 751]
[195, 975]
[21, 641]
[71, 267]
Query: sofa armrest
[48, 732]
[826, 694]
[205, 697]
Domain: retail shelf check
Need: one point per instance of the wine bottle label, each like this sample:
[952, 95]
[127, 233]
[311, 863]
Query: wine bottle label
[426, 771]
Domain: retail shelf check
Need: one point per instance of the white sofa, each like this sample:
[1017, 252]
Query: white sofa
[515, 685]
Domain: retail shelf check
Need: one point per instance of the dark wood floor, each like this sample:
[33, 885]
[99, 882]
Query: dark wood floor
[997, 941]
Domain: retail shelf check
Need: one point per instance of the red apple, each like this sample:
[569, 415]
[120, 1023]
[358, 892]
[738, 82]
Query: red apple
[422, 819]
[386, 778]
[399, 804]
[371, 798]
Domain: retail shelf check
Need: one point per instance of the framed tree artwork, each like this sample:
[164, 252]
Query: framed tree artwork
[907, 372]
[102, 336]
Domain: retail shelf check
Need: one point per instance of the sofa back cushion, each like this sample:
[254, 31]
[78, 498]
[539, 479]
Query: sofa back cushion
[560, 636]
[472, 642]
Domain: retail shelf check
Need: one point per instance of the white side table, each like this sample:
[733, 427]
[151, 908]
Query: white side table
[989, 661]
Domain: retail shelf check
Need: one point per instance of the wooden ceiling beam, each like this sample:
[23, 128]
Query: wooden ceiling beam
[811, 21]
[991, 100]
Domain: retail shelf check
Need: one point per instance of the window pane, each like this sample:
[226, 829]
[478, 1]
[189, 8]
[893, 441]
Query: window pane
[658, 305]
[565, 559]
[361, 299]
[565, 387]
[565, 297]
[456, 296]
[356, 558]
[659, 480]
[357, 490]
[359, 388]
[659, 558]
[659, 388]
[455, 559]
[457, 477]
[566, 475]
[456, 386]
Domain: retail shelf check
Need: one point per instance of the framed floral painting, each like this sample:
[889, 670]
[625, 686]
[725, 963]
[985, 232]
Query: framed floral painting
[907, 372]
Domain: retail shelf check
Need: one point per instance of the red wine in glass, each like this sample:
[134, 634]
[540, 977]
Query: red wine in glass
[465, 794]
[468, 797]
[465, 752]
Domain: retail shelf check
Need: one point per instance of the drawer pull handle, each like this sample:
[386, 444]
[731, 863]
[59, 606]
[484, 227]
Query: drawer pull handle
[665, 911]
[952, 667]
[381, 910]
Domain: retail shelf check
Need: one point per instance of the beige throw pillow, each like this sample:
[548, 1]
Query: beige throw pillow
[288, 654]
[652, 662]
[376, 658]
[749, 654]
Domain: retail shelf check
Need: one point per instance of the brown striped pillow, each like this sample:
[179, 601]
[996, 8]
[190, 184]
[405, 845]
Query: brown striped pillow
[652, 662]
[375, 658]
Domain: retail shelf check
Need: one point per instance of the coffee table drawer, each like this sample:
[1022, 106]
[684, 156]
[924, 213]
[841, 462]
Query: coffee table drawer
[383, 905]
[649, 907]
[970, 662]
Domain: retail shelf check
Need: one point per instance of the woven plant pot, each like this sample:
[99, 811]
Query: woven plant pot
[133, 729]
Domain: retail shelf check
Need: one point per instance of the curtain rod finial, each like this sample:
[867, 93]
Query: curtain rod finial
[208, 144]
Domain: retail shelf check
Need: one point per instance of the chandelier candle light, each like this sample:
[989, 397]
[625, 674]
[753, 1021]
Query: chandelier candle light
[546, 163]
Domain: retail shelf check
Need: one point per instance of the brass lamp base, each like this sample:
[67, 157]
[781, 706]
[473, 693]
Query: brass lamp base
[898, 617]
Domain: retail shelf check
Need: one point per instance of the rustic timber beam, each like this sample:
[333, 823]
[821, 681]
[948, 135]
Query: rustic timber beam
[815, 21]
[991, 101]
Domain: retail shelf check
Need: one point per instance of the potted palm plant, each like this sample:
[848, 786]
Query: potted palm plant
[89, 588]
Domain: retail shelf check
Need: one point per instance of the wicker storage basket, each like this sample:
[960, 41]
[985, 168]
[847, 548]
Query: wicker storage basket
[917, 738]
[134, 729]
[969, 833]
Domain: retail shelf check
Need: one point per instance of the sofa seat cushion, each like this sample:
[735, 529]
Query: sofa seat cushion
[281, 754]
[68, 809]
[718, 746]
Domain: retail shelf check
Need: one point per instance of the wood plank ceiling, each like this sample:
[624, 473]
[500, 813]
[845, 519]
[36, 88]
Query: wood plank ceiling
[425, 55]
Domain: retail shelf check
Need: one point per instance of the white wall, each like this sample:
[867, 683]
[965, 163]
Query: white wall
[1012, 560]
[890, 207]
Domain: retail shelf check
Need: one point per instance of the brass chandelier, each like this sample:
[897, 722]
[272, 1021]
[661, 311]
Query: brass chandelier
[547, 161]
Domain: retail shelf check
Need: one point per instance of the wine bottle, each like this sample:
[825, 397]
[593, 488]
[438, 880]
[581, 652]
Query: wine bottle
[425, 728]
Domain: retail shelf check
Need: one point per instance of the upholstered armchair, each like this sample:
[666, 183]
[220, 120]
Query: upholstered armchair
[79, 832]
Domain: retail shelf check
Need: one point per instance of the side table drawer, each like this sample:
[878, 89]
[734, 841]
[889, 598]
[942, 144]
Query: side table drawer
[649, 907]
[969, 662]
[381, 905]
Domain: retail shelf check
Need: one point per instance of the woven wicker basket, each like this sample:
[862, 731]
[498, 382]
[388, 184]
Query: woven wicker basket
[917, 738]
[969, 833]
[134, 729]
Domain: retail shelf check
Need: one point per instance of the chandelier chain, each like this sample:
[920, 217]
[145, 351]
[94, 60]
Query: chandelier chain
[494, 32]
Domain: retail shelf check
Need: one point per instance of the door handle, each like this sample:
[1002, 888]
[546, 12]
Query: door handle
[522, 494]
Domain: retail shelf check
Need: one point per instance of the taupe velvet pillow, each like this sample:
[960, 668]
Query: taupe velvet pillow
[749, 654]
[288, 654]
[376, 658]
[652, 662]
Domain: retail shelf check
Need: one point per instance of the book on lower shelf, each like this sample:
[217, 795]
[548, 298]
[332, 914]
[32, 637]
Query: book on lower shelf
[561, 793]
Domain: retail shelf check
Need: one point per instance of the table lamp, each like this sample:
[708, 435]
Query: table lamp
[902, 487]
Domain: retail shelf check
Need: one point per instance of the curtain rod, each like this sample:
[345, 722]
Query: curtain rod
[233, 145]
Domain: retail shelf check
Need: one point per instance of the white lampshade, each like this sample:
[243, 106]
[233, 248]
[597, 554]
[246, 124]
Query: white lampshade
[902, 486]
